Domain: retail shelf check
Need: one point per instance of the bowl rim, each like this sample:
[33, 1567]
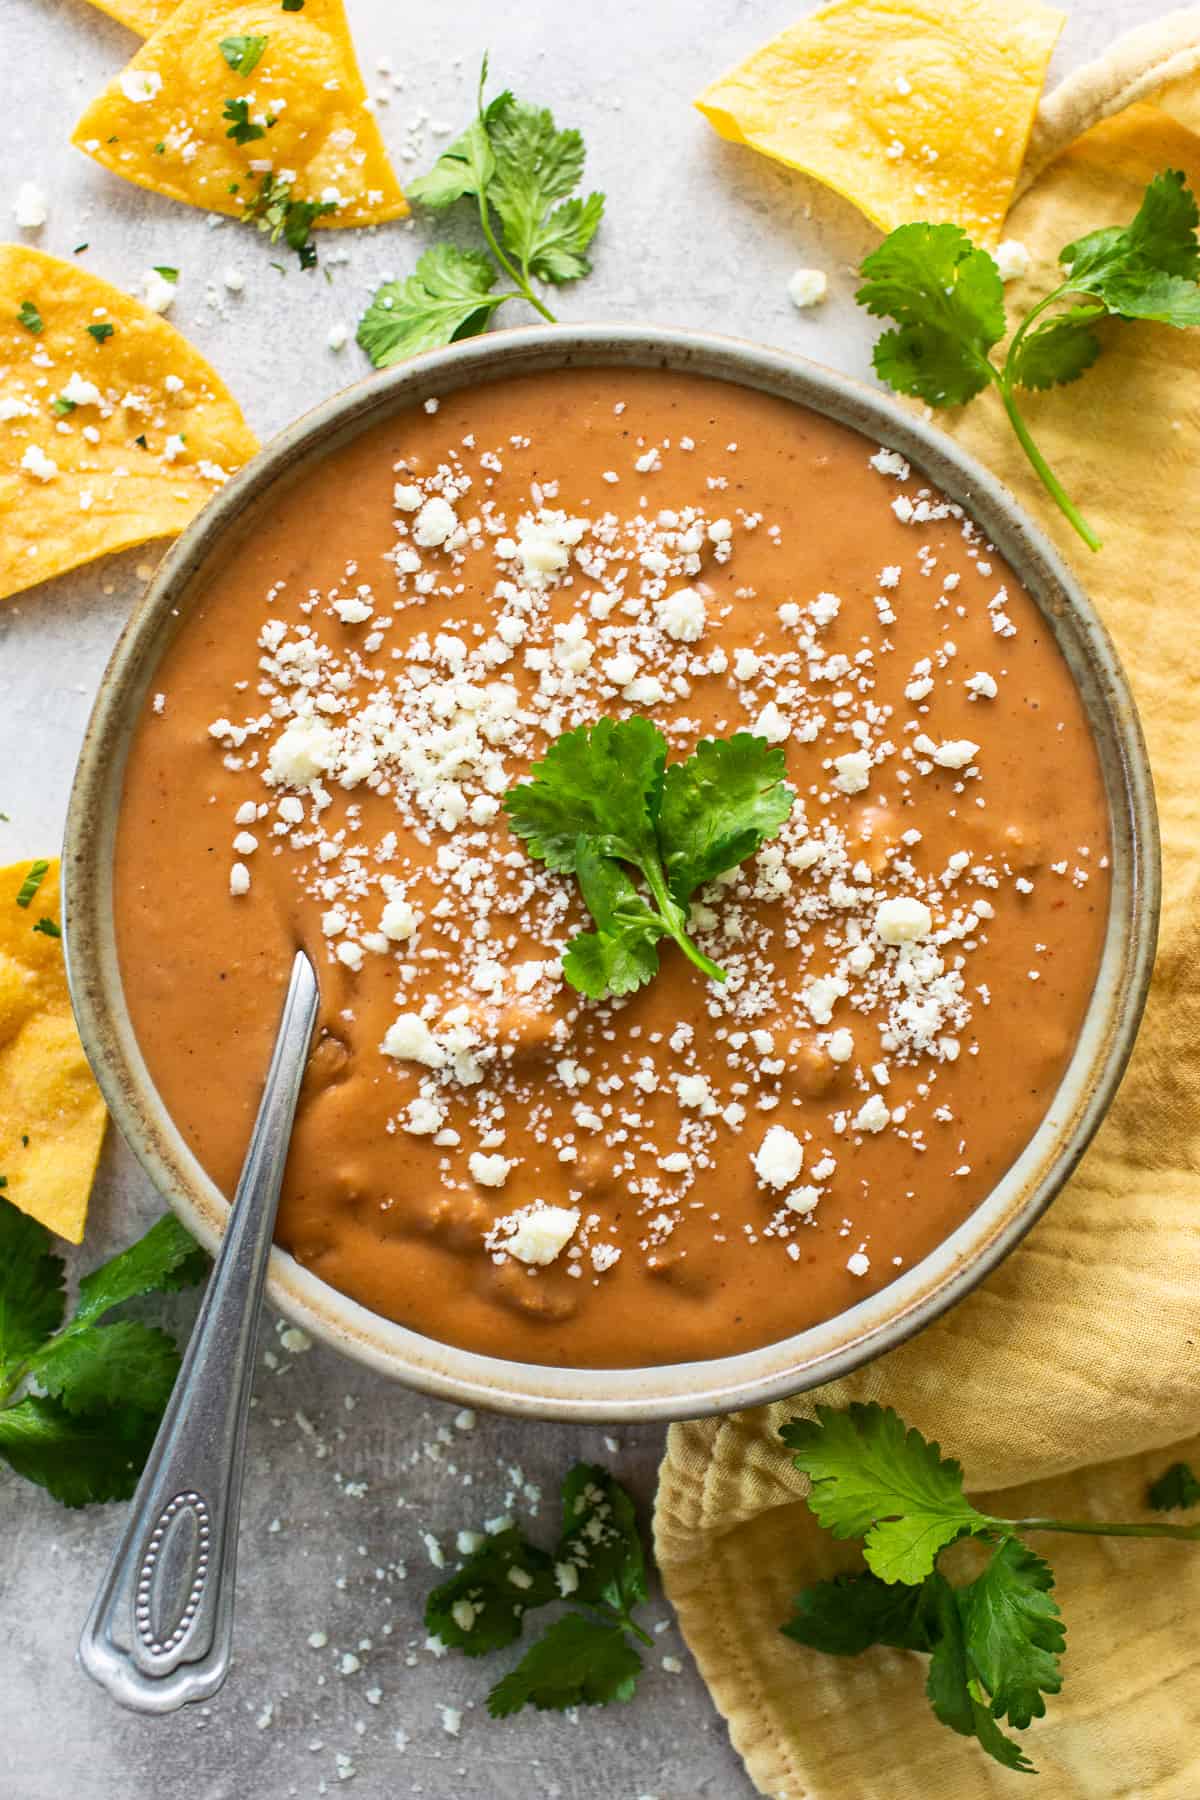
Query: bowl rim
[872, 1326]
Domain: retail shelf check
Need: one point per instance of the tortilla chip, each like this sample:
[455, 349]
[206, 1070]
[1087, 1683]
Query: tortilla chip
[173, 136]
[152, 434]
[51, 1115]
[142, 16]
[913, 109]
[1182, 100]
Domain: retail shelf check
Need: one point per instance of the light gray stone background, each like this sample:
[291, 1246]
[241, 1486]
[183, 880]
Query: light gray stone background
[346, 1472]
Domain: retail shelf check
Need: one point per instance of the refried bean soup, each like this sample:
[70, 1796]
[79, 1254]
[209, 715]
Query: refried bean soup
[698, 1167]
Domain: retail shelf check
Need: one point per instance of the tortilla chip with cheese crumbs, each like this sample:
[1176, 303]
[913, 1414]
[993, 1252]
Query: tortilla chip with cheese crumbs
[142, 16]
[113, 429]
[229, 93]
[51, 1115]
[913, 109]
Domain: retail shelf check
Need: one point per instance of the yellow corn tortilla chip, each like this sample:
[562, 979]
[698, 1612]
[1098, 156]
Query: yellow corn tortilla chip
[142, 16]
[51, 1115]
[913, 109]
[75, 481]
[1181, 99]
[161, 122]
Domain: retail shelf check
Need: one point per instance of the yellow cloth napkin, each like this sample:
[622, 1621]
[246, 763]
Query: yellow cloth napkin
[1062, 1381]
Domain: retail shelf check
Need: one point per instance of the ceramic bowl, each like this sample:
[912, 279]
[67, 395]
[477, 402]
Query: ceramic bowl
[682, 1390]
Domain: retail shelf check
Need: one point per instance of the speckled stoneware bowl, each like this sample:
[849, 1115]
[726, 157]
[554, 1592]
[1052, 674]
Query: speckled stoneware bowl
[678, 1390]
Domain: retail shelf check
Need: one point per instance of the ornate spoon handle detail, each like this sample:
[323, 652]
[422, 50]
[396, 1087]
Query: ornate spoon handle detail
[160, 1631]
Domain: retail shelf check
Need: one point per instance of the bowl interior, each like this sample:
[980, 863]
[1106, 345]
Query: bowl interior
[875, 1324]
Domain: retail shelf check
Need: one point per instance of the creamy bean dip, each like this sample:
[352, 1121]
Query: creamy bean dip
[697, 1168]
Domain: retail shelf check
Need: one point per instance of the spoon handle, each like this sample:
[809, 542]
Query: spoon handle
[160, 1630]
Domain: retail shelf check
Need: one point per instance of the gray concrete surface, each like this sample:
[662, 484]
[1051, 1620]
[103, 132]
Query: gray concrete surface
[346, 1471]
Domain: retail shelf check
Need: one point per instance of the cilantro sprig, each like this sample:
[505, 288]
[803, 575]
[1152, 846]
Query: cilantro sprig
[947, 299]
[275, 211]
[602, 800]
[584, 1658]
[81, 1401]
[994, 1642]
[521, 172]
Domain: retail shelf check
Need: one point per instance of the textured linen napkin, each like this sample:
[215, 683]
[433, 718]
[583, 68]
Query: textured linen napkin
[1069, 1379]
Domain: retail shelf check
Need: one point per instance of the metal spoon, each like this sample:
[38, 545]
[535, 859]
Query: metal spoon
[161, 1629]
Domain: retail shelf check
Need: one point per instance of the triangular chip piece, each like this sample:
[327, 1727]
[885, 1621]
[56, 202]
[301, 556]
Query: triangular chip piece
[113, 429]
[51, 1115]
[142, 16]
[1182, 100]
[913, 109]
[234, 100]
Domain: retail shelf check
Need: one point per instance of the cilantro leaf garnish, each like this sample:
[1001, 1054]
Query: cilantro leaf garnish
[602, 797]
[946, 297]
[994, 1642]
[99, 1391]
[275, 211]
[29, 316]
[584, 1658]
[48, 928]
[101, 333]
[601, 1542]
[242, 128]
[34, 878]
[445, 298]
[849, 1614]
[243, 51]
[873, 1478]
[483, 1606]
[166, 271]
[520, 171]
[1177, 1487]
[1013, 1632]
[577, 1662]
[32, 1303]
[293, 5]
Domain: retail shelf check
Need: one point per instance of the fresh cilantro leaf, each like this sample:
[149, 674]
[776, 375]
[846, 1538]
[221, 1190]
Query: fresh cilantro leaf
[1058, 351]
[36, 874]
[953, 1692]
[558, 250]
[482, 1607]
[845, 1616]
[535, 165]
[1178, 1487]
[242, 128]
[601, 1542]
[1161, 239]
[466, 166]
[621, 956]
[48, 928]
[63, 406]
[603, 794]
[29, 316]
[577, 1662]
[875, 1479]
[948, 300]
[31, 1290]
[293, 5]
[123, 1365]
[1013, 1632]
[274, 210]
[79, 1459]
[601, 782]
[444, 299]
[243, 51]
[166, 271]
[101, 333]
[719, 806]
[166, 1258]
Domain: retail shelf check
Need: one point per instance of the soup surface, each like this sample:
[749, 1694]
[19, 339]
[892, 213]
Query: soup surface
[697, 1168]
